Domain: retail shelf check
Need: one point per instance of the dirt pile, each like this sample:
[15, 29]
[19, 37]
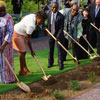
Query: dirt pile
[42, 88]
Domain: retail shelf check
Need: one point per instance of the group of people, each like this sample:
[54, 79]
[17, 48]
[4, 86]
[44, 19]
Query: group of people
[77, 24]
[17, 6]
[17, 35]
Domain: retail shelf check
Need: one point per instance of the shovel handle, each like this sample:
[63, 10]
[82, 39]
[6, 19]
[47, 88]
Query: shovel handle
[39, 65]
[94, 27]
[91, 46]
[78, 43]
[60, 43]
[10, 66]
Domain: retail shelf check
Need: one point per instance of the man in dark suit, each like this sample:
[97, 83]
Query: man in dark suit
[67, 3]
[95, 19]
[55, 25]
[17, 6]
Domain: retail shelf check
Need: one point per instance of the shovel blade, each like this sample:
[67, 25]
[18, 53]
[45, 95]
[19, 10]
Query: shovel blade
[24, 87]
[97, 58]
[45, 78]
[76, 63]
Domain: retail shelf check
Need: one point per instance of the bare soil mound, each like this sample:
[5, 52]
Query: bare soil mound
[41, 88]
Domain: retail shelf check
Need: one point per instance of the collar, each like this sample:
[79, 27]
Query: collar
[54, 13]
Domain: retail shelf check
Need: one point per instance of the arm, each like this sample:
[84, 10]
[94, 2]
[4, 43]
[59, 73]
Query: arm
[9, 33]
[79, 30]
[61, 27]
[4, 44]
[79, 26]
[28, 37]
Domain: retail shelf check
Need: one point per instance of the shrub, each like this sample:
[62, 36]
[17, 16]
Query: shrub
[57, 95]
[74, 85]
[92, 77]
[40, 99]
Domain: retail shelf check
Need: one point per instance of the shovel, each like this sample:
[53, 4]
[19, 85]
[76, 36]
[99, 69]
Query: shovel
[99, 31]
[21, 85]
[94, 27]
[75, 59]
[91, 57]
[45, 78]
[91, 47]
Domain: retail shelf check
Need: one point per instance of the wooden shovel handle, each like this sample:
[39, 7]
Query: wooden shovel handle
[77, 43]
[91, 46]
[39, 65]
[10, 66]
[59, 43]
[94, 27]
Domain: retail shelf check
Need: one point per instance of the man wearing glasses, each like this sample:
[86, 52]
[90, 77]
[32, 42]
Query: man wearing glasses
[73, 26]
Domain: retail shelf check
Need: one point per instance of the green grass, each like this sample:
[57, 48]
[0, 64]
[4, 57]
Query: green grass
[42, 56]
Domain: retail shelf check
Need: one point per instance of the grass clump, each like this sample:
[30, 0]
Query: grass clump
[92, 77]
[74, 85]
[40, 99]
[57, 94]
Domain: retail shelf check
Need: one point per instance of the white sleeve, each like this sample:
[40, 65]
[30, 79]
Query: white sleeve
[30, 29]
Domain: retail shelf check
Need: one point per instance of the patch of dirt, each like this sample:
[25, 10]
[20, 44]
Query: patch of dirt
[42, 89]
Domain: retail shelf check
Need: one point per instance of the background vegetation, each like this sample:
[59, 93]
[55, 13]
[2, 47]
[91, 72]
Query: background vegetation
[29, 6]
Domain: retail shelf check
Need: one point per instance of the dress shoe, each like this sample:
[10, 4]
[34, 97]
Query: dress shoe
[61, 68]
[64, 59]
[49, 66]
[78, 62]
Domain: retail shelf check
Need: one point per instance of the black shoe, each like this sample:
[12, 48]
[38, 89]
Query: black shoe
[78, 62]
[64, 59]
[61, 68]
[49, 66]
[91, 52]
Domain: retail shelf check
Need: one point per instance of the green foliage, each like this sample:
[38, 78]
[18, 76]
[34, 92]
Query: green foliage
[57, 95]
[29, 6]
[92, 77]
[40, 99]
[98, 72]
[37, 74]
[15, 20]
[82, 3]
[74, 85]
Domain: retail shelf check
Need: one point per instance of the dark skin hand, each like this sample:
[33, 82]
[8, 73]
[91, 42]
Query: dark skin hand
[28, 37]
[77, 40]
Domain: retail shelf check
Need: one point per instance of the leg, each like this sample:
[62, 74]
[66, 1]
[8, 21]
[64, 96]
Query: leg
[98, 42]
[66, 46]
[51, 52]
[60, 56]
[91, 38]
[23, 68]
[75, 50]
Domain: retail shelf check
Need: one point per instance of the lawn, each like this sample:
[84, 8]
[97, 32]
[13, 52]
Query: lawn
[42, 56]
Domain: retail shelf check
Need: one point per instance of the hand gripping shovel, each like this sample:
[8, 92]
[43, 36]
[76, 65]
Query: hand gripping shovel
[75, 59]
[91, 57]
[45, 78]
[21, 85]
